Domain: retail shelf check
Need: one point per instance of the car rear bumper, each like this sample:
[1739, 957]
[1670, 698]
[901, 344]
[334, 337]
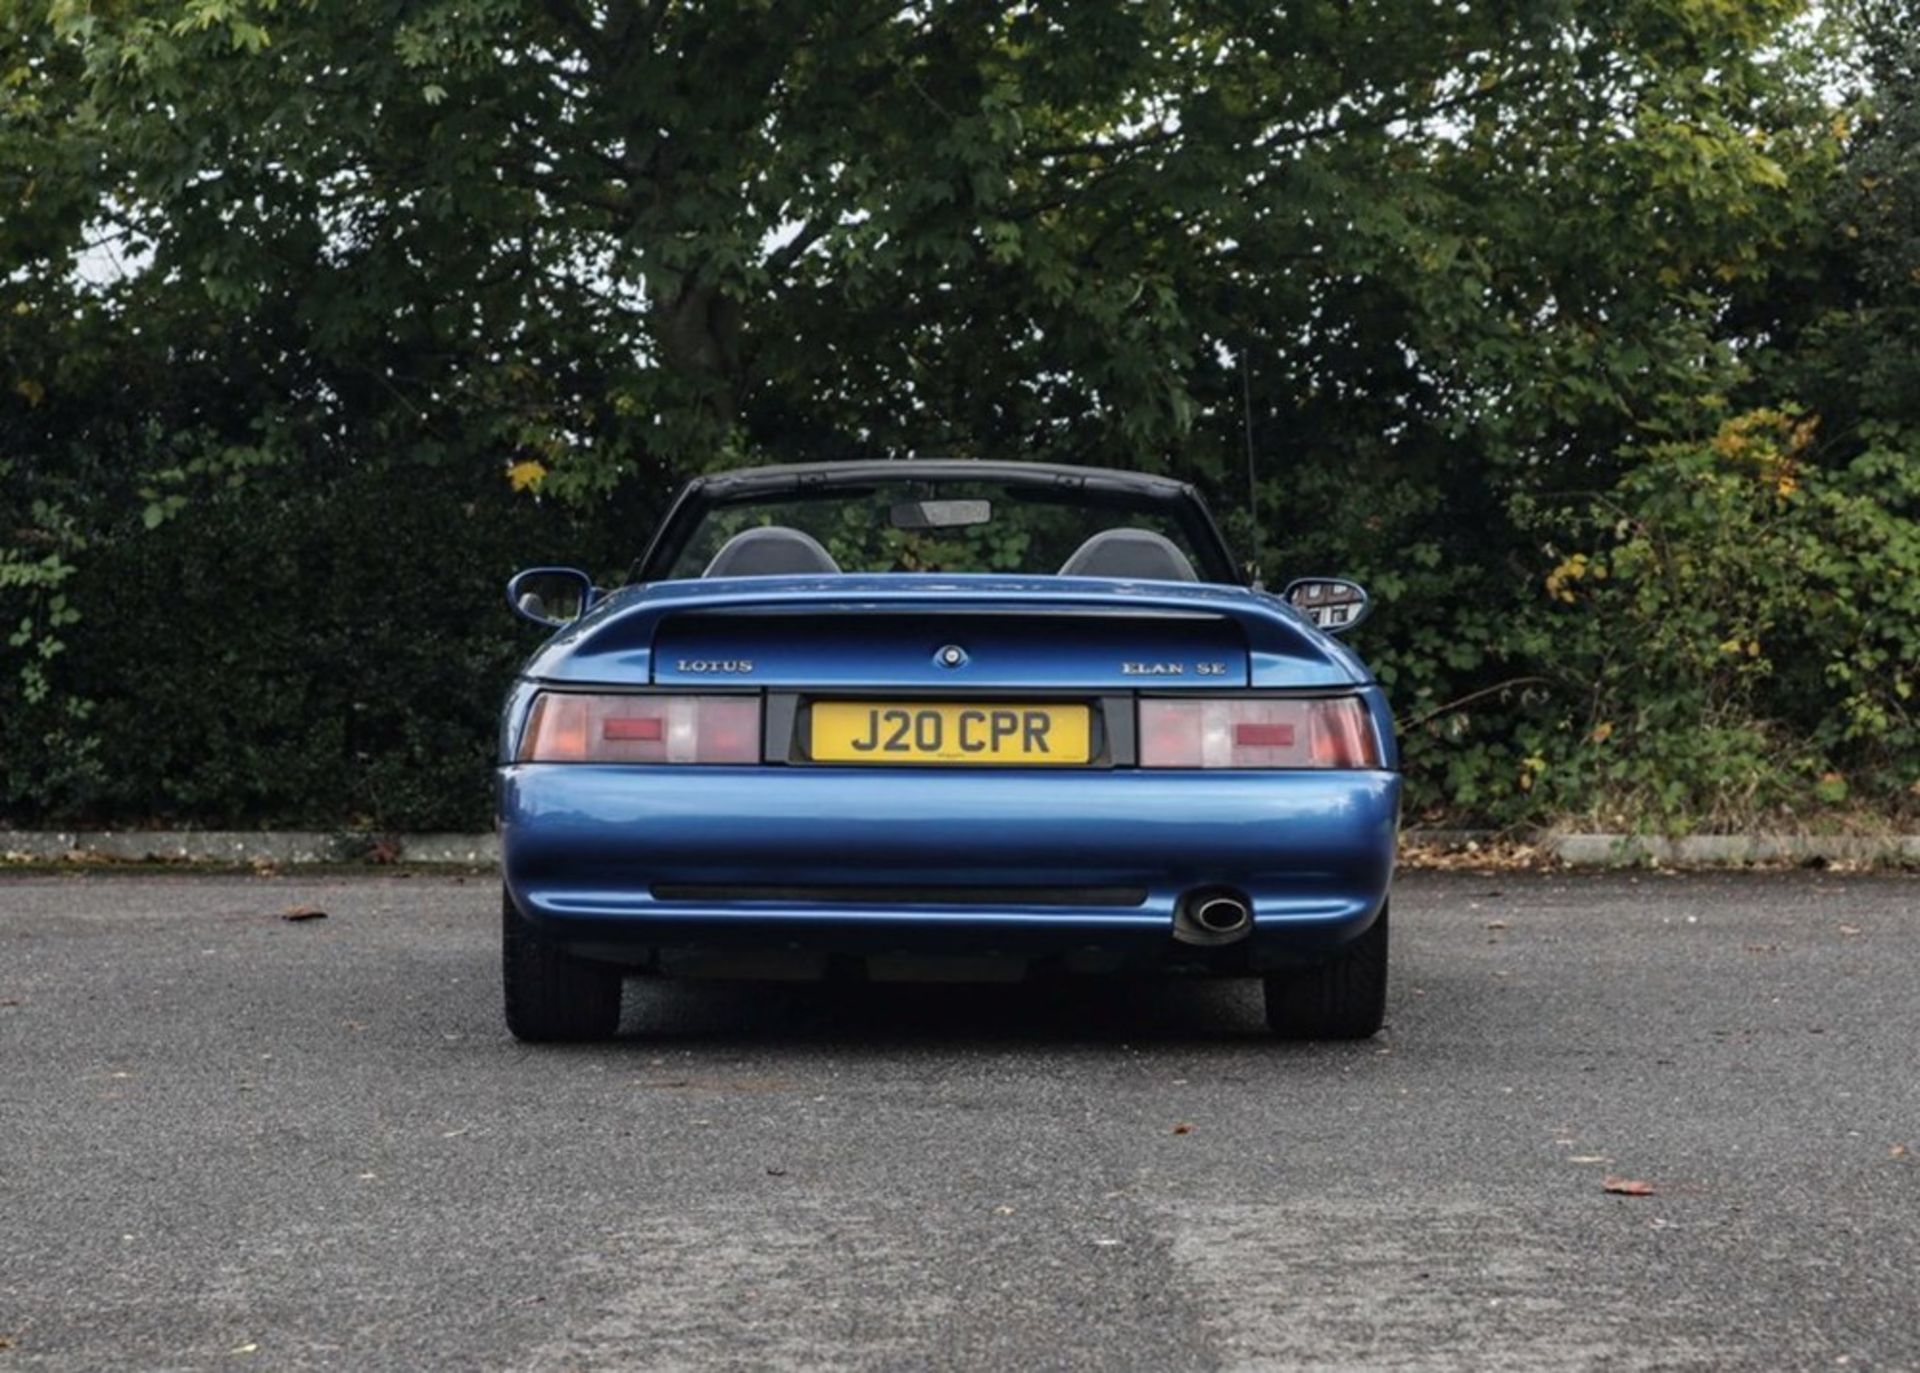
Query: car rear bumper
[613, 858]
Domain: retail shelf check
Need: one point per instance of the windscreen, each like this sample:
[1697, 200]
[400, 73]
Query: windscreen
[945, 526]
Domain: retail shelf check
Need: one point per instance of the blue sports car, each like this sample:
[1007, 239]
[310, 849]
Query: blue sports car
[943, 719]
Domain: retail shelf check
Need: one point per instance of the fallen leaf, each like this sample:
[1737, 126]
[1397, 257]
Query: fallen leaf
[245, 1349]
[383, 851]
[1183, 1129]
[1627, 1187]
[303, 913]
[1003, 1210]
[1589, 1158]
[1849, 929]
[1898, 1151]
[776, 1172]
[1496, 924]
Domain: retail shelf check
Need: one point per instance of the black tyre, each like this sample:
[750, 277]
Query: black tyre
[550, 994]
[1343, 998]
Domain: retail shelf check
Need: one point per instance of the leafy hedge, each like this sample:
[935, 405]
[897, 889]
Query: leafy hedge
[1731, 637]
[308, 649]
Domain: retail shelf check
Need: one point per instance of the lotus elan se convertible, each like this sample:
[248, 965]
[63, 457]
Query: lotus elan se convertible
[943, 719]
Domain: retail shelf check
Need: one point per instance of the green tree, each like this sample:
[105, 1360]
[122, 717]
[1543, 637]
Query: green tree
[622, 237]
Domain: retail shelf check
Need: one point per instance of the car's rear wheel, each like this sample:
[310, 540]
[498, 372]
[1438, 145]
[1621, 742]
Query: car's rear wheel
[1342, 998]
[550, 994]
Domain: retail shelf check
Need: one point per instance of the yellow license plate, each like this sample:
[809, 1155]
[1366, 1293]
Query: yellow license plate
[919, 732]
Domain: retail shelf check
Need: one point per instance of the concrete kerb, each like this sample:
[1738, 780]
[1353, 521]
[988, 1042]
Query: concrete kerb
[267, 848]
[295, 848]
[1731, 850]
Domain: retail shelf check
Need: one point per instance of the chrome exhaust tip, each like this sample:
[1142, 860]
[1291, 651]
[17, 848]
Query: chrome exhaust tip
[1213, 915]
[1223, 915]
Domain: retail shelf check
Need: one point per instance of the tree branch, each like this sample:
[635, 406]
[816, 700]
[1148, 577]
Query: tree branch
[1471, 697]
[570, 18]
[791, 252]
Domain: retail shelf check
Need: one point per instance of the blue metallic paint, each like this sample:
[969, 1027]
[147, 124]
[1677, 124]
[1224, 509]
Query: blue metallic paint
[584, 844]
[614, 642]
[997, 648]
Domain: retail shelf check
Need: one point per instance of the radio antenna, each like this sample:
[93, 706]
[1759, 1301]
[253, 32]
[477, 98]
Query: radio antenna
[1246, 429]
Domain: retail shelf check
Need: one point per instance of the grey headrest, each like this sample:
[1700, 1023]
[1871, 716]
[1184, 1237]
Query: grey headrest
[774, 551]
[1130, 553]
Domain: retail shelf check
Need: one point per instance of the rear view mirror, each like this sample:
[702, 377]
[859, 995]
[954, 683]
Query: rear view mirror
[1333, 604]
[550, 596]
[940, 514]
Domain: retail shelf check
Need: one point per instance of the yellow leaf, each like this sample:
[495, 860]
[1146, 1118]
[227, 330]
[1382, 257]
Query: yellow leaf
[32, 390]
[1571, 569]
[1602, 732]
[527, 475]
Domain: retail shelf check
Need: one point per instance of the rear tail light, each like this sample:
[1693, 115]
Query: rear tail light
[569, 728]
[1222, 732]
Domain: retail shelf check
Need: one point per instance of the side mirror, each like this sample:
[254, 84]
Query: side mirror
[1333, 604]
[550, 596]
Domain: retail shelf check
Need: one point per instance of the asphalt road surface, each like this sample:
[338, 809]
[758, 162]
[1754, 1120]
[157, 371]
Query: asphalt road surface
[229, 1141]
